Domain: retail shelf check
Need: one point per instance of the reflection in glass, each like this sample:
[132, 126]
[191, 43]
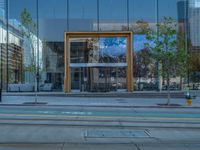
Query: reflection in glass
[83, 15]
[55, 17]
[144, 10]
[142, 18]
[53, 66]
[98, 64]
[52, 25]
[113, 15]
[169, 9]
[174, 9]
[22, 45]
[3, 53]
[97, 79]
[101, 50]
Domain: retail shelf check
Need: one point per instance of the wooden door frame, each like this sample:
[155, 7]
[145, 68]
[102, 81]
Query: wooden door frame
[129, 54]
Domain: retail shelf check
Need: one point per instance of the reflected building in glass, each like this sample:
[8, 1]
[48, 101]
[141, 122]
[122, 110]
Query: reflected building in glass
[194, 22]
[37, 54]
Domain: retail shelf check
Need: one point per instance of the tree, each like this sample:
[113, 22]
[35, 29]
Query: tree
[29, 31]
[141, 27]
[165, 50]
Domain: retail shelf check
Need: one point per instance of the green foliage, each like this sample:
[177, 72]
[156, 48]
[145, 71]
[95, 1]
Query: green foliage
[29, 30]
[27, 21]
[168, 50]
[165, 49]
[26, 18]
[141, 27]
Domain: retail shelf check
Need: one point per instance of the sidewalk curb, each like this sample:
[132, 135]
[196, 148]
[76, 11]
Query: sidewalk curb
[116, 106]
[136, 94]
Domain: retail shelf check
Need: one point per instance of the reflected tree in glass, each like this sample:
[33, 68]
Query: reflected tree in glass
[143, 66]
[29, 30]
[141, 27]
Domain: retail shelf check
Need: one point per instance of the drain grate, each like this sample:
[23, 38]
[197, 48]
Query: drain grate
[116, 133]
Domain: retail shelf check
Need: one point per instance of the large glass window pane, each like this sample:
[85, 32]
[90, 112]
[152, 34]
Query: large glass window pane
[112, 15]
[52, 25]
[142, 15]
[168, 9]
[194, 24]
[98, 79]
[121, 78]
[98, 50]
[83, 15]
[142, 10]
[193, 20]
[22, 45]
[3, 40]
[98, 64]
[175, 10]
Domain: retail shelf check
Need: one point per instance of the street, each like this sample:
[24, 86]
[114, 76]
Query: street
[98, 127]
[100, 147]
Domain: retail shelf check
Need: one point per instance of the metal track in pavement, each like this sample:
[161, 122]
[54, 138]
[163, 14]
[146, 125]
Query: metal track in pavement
[79, 122]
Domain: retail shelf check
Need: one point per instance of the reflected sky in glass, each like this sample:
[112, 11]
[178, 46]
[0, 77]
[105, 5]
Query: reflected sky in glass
[113, 47]
[139, 41]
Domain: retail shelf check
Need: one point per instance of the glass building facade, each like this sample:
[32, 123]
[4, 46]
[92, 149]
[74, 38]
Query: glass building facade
[32, 38]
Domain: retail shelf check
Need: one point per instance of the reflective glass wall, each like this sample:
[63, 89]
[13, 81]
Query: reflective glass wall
[3, 42]
[163, 11]
[32, 38]
[52, 22]
[193, 21]
[82, 15]
[98, 64]
[143, 16]
[113, 15]
[22, 47]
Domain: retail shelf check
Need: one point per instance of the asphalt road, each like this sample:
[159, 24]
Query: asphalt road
[95, 128]
[102, 112]
[100, 147]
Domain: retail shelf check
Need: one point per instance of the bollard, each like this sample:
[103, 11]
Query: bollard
[189, 99]
[0, 95]
[189, 102]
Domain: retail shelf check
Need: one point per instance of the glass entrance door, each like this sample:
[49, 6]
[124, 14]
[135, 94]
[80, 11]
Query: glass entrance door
[98, 79]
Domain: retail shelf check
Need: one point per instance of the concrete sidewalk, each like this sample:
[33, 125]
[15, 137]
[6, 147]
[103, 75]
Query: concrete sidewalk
[99, 101]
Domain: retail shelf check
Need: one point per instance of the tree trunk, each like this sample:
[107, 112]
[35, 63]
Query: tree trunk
[159, 79]
[139, 88]
[181, 83]
[168, 90]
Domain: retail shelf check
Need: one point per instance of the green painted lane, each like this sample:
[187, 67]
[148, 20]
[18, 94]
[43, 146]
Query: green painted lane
[94, 113]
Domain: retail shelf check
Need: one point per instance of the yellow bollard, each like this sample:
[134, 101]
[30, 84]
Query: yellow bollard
[188, 98]
[189, 102]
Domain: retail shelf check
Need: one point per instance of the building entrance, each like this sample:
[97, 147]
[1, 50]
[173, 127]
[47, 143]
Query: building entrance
[98, 62]
[98, 79]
